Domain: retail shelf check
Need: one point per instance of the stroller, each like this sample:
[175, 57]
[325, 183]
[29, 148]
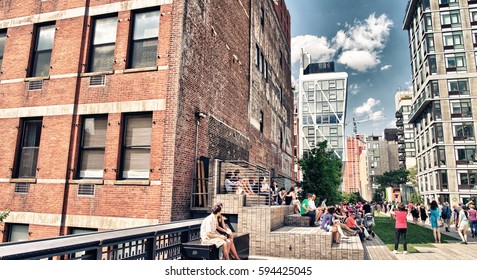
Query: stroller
[368, 221]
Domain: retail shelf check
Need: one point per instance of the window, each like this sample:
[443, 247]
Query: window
[458, 87]
[261, 121]
[92, 147]
[450, 19]
[17, 232]
[473, 17]
[262, 17]
[136, 146]
[281, 58]
[333, 130]
[466, 154]
[144, 39]
[40, 64]
[447, 3]
[29, 146]
[436, 110]
[432, 64]
[439, 132]
[453, 40]
[455, 62]
[464, 131]
[461, 109]
[102, 45]
[257, 56]
[468, 178]
[3, 36]
[427, 26]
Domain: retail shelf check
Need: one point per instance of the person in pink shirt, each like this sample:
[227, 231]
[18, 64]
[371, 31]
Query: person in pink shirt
[401, 227]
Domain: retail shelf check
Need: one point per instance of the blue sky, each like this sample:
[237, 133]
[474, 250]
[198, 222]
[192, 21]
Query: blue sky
[365, 39]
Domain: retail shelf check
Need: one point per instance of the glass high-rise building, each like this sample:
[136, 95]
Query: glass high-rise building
[321, 103]
[443, 46]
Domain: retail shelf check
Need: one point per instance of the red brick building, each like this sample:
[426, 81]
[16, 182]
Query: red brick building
[99, 104]
[351, 178]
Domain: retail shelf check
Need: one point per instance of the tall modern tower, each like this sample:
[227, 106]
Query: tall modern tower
[322, 96]
[442, 42]
[407, 146]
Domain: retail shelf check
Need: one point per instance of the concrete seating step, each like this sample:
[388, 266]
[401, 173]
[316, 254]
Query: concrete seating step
[297, 220]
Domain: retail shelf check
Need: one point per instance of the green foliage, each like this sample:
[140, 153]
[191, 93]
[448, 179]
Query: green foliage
[393, 178]
[4, 215]
[416, 198]
[322, 173]
[412, 177]
[352, 197]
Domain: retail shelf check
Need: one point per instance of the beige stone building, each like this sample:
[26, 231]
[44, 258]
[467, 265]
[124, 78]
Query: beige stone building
[443, 41]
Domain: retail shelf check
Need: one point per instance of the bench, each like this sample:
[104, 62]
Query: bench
[195, 250]
[297, 220]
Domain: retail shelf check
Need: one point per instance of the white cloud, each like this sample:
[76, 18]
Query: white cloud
[386, 67]
[358, 45]
[362, 42]
[318, 47]
[353, 89]
[367, 107]
[376, 116]
[359, 60]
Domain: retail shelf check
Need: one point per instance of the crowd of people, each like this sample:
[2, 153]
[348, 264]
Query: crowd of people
[347, 219]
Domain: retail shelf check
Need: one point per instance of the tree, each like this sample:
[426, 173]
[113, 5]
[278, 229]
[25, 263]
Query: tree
[322, 173]
[416, 198]
[393, 178]
[412, 177]
[4, 215]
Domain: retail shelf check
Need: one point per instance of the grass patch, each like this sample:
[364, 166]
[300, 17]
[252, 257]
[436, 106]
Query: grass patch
[416, 235]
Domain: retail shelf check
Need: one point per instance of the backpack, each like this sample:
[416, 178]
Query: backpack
[445, 212]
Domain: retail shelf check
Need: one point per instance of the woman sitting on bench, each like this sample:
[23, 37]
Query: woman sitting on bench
[223, 229]
[209, 234]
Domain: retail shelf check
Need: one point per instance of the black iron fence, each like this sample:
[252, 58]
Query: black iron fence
[158, 242]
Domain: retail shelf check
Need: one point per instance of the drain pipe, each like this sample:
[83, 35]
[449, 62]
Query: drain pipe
[198, 116]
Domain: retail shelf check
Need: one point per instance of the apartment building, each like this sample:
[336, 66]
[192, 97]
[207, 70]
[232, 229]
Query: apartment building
[106, 105]
[442, 42]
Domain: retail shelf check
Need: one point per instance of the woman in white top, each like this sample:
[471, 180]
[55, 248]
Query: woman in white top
[209, 234]
[463, 225]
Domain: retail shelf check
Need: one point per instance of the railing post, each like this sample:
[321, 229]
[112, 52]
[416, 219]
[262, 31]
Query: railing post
[151, 248]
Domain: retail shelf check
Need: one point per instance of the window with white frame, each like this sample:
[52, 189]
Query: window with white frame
[455, 62]
[473, 16]
[461, 108]
[450, 19]
[458, 87]
[453, 40]
[463, 131]
[447, 3]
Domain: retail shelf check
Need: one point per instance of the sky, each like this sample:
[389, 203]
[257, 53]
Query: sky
[365, 39]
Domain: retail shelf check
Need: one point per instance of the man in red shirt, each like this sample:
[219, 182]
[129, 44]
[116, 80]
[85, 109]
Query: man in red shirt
[351, 223]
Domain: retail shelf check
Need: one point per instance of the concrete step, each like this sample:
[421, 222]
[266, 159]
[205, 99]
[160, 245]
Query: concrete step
[297, 220]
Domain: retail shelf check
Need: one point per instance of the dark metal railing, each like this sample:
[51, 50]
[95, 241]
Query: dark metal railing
[158, 242]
